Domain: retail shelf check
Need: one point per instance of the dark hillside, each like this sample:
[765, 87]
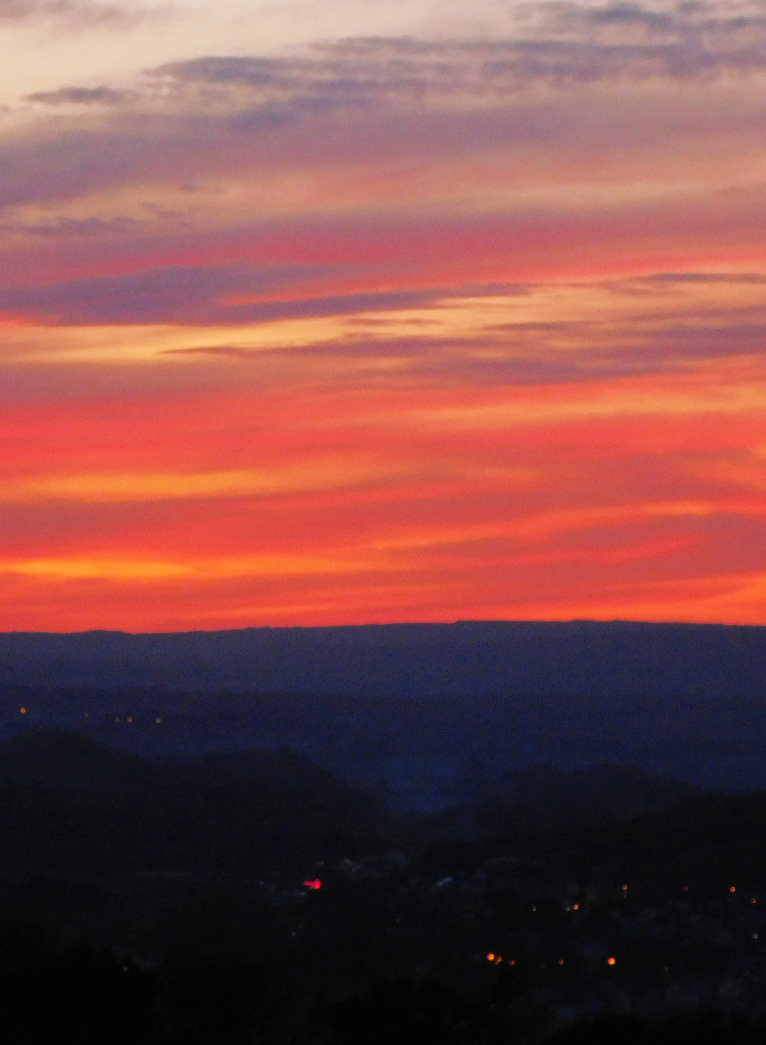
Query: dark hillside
[68, 806]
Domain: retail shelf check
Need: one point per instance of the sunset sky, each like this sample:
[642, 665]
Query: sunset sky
[347, 312]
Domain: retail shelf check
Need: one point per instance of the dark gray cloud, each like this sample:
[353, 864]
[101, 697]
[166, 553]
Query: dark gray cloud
[523, 360]
[649, 285]
[524, 353]
[218, 294]
[77, 227]
[716, 23]
[156, 295]
[702, 277]
[61, 161]
[376, 98]
[419, 361]
[73, 14]
[235, 351]
[562, 42]
[80, 96]
[682, 342]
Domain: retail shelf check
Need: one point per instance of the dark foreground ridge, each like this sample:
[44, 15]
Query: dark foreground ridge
[467, 658]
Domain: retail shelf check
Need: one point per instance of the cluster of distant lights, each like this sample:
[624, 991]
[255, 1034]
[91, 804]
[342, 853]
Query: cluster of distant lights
[117, 718]
[497, 959]
[129, 719]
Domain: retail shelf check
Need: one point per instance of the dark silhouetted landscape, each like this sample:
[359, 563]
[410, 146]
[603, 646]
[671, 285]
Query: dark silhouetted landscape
[480, 832]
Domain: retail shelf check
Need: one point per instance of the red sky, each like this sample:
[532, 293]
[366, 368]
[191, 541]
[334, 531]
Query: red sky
[420, 322]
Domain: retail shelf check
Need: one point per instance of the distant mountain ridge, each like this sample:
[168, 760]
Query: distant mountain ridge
[466, 658]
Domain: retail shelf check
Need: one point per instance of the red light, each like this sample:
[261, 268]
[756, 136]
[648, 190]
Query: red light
[312, 883]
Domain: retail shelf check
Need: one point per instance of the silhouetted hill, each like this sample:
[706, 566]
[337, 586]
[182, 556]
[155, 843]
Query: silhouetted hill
[544, 798]
[718, 840]
[469, 657]
[70, 761]
[69, 806]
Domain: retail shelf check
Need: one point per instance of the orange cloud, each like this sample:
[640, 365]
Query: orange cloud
[453, 334]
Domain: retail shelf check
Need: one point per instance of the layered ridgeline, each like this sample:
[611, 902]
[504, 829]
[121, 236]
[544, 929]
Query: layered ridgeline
[435, 713]
[70, 806]
[467, 658]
